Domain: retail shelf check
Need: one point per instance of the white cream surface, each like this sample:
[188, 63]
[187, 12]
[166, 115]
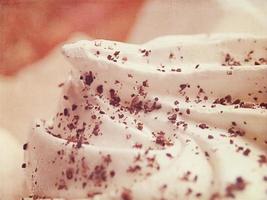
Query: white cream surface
[179, 117]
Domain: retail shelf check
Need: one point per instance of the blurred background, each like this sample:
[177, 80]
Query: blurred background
[31, 65]
[31, 28]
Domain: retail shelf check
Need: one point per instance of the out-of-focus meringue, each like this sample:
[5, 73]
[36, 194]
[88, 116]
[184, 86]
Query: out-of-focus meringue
[12, 182]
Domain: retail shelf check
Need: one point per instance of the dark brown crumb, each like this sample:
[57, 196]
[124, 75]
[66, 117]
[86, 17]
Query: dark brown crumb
[134, 168]
[203, 126]
[162, 140]
[89, 78]
[183, 86]
[210, 137]
[139, 126]
[145, 83]
[262, 160]
[92, 194]
[74, 107]
[239, 185]
[126, 194]
[66, 112]
[188, 111]
[96, 130]
[112, 173]
[246, 152]
[172, 117]
[137, 145]
[25, 146]
[169, 155]
[69, 173]
[230, 61]
[99, 89]
[60, 84]
[114, 98]
[62, 185]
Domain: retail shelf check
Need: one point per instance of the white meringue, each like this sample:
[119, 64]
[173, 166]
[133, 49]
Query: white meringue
[179, 117]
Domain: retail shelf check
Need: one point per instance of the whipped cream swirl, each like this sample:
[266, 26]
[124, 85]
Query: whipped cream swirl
[179, 117]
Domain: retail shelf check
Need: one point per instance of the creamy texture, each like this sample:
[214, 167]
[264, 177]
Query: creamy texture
[180, 117]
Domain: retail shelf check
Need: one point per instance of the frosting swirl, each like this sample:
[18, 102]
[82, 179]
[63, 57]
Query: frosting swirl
[179, 117]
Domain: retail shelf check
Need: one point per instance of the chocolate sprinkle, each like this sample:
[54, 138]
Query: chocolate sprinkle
[89, 78]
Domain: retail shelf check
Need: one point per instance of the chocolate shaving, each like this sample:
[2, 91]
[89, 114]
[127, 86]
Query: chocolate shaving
[114, 98]
[89, 78]
[99, 89]
[239, 185]
[25, 146]
[126, 194]
[203, 126]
